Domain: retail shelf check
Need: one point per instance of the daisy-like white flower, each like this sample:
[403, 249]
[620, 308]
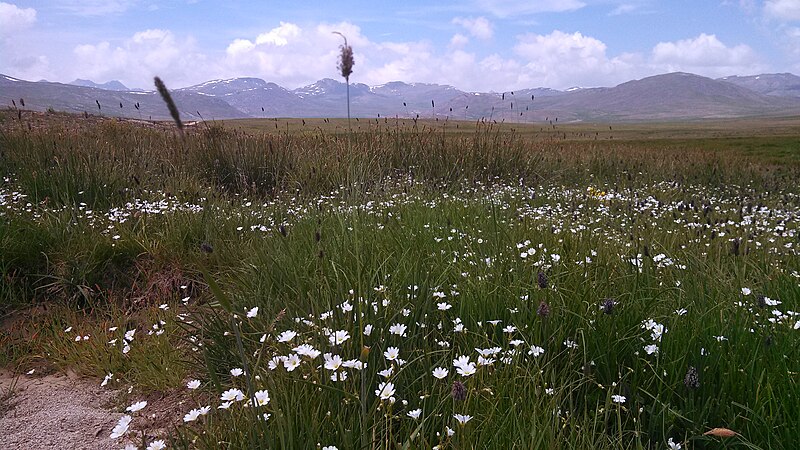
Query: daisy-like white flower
[385, 391]
[354, 364]
[225, 405]
[367, 330]
[129, 335]
[618, 398]
[651, 349]
[136, 406]
[67, 330]
[193, 384]
[107, 379]
[122, 427]
[398, 329]
[466, 370]
[509, 329]
[440, 372]
[262, 397]
[536, 351]
[462, 418]
[461, 361]
[236, 372]
[275, 362]
[307, 350]
[232, 395]
[253, 312]
[414, 414]
[192, 415]
[673, 445]
[444, 306]
[386, 373]
[486, 352]
[464, 366]
[157, 445]
[332, 362]
[745, 291]
[291, 362]
[485, 361]
[339, 337]
[392, 353]
[330, 447]
[286, 336]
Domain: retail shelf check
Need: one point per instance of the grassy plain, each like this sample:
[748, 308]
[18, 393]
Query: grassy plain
[413, 285]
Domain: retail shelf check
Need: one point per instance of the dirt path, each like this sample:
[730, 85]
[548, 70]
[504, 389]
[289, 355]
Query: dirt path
[54, 411]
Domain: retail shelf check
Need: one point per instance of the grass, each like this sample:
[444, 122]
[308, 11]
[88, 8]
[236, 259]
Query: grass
[428, 240]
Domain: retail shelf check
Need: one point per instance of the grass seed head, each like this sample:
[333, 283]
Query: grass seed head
[173, 110]
[692, 378]
[459, 391]
[543, 310]
[346, 61]
[541, 279]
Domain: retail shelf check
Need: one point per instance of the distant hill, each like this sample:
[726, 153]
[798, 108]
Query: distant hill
[776, 84]
[668, 97]
[78, 99]
[112, 85]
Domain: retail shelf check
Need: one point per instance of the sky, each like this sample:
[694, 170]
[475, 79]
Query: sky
[473, 45]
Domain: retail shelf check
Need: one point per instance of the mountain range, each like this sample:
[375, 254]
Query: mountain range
[668, 97]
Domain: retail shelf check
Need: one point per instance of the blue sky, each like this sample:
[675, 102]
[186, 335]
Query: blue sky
[478, 45]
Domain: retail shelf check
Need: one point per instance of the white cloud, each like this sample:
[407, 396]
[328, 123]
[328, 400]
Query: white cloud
[279, 36]
[479, 27]
[561, 60]
[291, 55]
[141, 57]
[94, 7]
[705, 55]
[506, 8]
[459, 40]
[14, 19]
[17, 58]
[625, 8]
[782, 10]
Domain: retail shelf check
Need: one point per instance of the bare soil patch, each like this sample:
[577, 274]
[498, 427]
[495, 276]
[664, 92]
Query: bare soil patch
[55, 411]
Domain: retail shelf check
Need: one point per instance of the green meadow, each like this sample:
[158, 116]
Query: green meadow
[411, 284]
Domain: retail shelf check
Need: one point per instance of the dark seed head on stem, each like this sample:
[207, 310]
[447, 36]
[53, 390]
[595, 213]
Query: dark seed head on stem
[459, 391]
[543, 310]
[541, 279]
[692, 378]
[608, 306]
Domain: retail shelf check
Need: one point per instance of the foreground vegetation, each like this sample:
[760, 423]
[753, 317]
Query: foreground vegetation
[408, 286]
